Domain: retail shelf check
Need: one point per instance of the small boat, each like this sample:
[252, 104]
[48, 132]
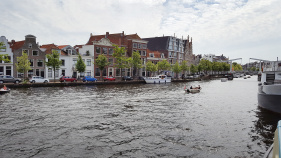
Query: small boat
[193, 89]
[158, 79]
[274, 149]
[2, 91]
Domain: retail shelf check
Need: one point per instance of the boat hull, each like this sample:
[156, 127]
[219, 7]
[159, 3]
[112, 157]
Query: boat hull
[271, 102]
[157, 81]
[4, 91]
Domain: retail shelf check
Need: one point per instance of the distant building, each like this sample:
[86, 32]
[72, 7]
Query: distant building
[6, 68]
[35, 55]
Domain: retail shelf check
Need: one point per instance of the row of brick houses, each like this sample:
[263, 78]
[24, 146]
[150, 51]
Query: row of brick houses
[153, 49]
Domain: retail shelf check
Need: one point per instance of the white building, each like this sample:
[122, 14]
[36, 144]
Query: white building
[6, 68]
[209, 57]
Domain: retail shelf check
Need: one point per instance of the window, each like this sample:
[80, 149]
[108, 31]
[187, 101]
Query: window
[151, 55]
[25, 51]
[40, 63]
[88, 62]
[110, 51]
[128, 72]
[135, 45]
[49, 73]
[162, 55]
[88, 73]
[110, 60]
[143, 46]
[98, 50]
[8, 57]
[97, 72]
[104, 50]
[74, 61]
[118, 72]
[31, 62]
[35, 53]
[139, 52]
[144, 53]
[30, 73]
[20, 75]
[29, 45]
[8, 70]
[139, 45]
[69, 51]
[62, 62]
[57, 73]
[3, 49]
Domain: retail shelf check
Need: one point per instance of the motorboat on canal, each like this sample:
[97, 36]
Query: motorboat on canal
[4, 90]
[193, 89]
[269, 90]
[274, 150]
[158, 79]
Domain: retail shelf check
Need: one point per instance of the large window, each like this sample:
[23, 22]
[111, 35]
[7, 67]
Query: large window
[30, 73]
[97, 72]
[144, 53]
[88, 62]
[118, 72]
[40, 63]
[50, 73]
[128, 72]
[110, 60]
[8, 70]
[35, 53]
[110, 51]
[151, 55]
[110, 72]
[135, 45]
[104, 72]
[88, 73]
[24, 51]
[98, 50]
[74, 61]
[31, 62]
[104, 50]
[62, 62]
[143, 46]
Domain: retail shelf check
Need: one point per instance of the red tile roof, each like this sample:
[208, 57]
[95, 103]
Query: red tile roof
[157, 54]
[49, 48]
[17, 45]
[62, 46]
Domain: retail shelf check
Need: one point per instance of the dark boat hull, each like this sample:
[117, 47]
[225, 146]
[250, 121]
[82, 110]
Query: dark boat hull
[270, 102]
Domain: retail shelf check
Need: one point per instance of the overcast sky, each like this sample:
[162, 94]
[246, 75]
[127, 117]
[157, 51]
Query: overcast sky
[234, 28]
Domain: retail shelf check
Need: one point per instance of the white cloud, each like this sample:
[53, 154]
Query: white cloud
[229, 27]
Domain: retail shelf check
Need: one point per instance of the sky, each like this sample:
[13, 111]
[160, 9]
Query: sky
[235, 28]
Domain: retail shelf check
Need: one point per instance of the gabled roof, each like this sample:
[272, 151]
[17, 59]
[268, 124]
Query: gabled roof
[49, 48]
[16, 45]
[157, 43]
[62, 46]
[157, 54]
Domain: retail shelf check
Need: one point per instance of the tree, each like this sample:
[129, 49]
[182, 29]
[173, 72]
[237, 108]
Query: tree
[101, 63]
[80, 65]
[136, 62]
[4, 57]
[225, 66]
[193, 68]
[176, 68]
[23, 64]
[121, 61]
[206, 65]
[215, 66]
[150, 67]
[184, 66]
[54, 61]
[163, 65]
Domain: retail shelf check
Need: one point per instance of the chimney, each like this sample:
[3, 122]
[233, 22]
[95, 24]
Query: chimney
[107, 34]
[122, 33]
[13, 41]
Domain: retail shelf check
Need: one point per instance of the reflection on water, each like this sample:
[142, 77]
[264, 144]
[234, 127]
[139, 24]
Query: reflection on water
[139, 120]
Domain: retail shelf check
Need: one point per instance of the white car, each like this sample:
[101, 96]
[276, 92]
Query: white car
[38, 79]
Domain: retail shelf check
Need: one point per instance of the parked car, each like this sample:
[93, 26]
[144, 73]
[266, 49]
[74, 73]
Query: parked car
[67, 79]
[110, 78]
[89, 79]
[189, 77]
[38, 79]
[141, 78]
[9, 79]
[127, 78]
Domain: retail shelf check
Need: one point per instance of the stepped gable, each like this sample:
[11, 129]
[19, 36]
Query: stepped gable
[157, 43]
[16, 45]
[49, 48]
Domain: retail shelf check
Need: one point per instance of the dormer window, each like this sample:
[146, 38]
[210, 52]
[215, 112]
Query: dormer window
[69, 51]
[151, 55]
[162, 55]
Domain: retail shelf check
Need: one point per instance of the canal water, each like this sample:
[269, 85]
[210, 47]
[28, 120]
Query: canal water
[137, 120]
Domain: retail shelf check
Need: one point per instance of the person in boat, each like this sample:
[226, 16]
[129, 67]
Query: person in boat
[190, 87]
[198, 87]
[4, 88]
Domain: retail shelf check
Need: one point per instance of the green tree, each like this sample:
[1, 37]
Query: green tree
[206, 65]
[164, 65]
[101, 62]
[23, 64]
[54, 61]
[176, 68]
[4, 57]
[184, 66]
[150, 67]
[80, 65]
[193, 69]
[225, 66]
[136, 62]
[215, 66]
[120, 57]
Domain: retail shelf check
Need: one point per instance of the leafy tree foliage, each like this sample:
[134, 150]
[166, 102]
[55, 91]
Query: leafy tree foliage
[150, 67]
[164, 65]
[136, 61]
[23, 64]
[206, 65]
[120, 56]
[193, 68]
[54, 61]
[80, 65]
[101, 62]
[176, 68]
[184, 66]
[4, 57]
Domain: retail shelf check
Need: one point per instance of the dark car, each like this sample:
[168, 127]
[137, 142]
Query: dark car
[89, 79]
[9, 79]
[67, 79]
[141, 78]
[127, 78]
